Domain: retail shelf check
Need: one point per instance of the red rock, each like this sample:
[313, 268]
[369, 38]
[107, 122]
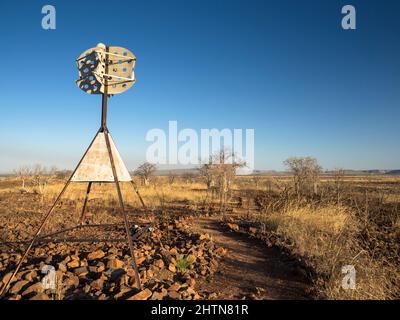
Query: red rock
[115, 264]
[100, 267]
[73, 264]
[203, 236]
[191, 258]
[233, 226]
[18, 286]
[165, 274]
[174, 295]
[191, 282]
[30, 275]
[7, 277]
[172, 267]
[122, 292]
[72, 281]
[75, 257]
[130, 272]
[220, 251]
[159, 263]
[99, 254]
[97, 284]
[81, 271]
[142, 295]
[140, 260]
[157, 295]
[252, 230]
[174, 287]
[37, 287]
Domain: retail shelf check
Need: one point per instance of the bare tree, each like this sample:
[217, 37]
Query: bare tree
[219, 174]
[171, 177]
[145, 171]
[206, 173]
[306, 171]
[41, 177]
[23, 173]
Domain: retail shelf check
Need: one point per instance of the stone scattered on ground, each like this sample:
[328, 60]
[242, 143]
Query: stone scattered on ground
[142, 295]
[233, 226]
[171, 261]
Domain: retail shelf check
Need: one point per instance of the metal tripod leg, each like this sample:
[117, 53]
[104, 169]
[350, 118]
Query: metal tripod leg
[85, 203]
[145, 208]
[121, 202]
[138, 194]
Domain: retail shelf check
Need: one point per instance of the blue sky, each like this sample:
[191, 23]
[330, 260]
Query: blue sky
[285, 68]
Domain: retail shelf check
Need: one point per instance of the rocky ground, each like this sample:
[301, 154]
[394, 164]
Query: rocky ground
[179, 258]
[172, 260]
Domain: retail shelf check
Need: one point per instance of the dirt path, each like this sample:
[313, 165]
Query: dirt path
[250, 269]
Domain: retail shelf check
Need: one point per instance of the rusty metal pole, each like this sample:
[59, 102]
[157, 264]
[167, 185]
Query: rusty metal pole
[85, 202]
[103, 127]
[121, 202]
[104, 111]
[146, 209]
[116, 181]
[138, 194]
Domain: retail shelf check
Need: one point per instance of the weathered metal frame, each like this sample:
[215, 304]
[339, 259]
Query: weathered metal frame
[118, 82]
[129, 237]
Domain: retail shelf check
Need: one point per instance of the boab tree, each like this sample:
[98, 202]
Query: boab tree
[145, 171]
[306, 171]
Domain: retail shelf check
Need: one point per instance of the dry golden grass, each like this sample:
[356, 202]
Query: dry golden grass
[153, 195]
[327, 237]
